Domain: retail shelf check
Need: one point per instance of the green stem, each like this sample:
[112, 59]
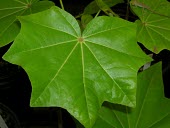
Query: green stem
[78, 16]
[61, 3]
[97, 13]
[60, 121]
[127, 10]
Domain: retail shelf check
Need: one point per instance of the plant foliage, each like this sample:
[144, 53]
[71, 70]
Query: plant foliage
[153, 28]
[93, 7]
[152, 108]
[10, 9]
[78, 71]
[80, 66]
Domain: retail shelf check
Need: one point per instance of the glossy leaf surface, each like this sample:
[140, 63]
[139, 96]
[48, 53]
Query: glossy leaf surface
[78, 71]
[152, 108]
[153, 28]
[10, 9]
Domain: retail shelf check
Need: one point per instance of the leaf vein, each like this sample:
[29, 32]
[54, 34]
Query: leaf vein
[62, 65]
[140, 32]
[158, 33]
[13, 8]
[51, 28]
[150, 25]
[11, 23]
[20, 2]
[150, 36]
[102, 118]
[157, 121]
[127, 116]
[84, 82]
[157, 20]
[142, 106]
[118, 119]
[108, 73]
[69, 23]
[11, 13]
[103, 31]
[113, 49]
[30, 50]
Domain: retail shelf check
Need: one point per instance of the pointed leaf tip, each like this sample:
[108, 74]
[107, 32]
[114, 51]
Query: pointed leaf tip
[78, 72]
[149, 104]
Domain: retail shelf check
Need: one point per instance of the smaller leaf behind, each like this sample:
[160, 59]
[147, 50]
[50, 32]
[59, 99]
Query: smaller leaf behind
[105, 8]
[85, 19]
[153, 28]
[10, 9]
[94, 8]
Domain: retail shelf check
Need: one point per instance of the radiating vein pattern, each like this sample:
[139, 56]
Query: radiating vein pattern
[153, 29]
[9, 12]
[57, 72]
[109, 72]
[78, 71]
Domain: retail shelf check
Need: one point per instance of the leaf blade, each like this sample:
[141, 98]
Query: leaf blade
[107, 34]
[153, 29]
[10, 9]
[62, 67]
[150, 100]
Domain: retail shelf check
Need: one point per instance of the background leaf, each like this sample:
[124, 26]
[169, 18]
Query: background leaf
[78, 72]
[153, 29]
[85, 19]
[94, 8]
[152, 108]
[10, 9]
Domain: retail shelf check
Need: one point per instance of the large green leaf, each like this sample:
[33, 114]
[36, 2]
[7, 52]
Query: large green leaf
[153, 28]
[10, 9]
[152, 108]
[78, 71]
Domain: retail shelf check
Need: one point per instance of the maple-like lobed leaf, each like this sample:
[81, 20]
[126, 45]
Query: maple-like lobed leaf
[10, 9]
[153, 28]
[77, 71]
